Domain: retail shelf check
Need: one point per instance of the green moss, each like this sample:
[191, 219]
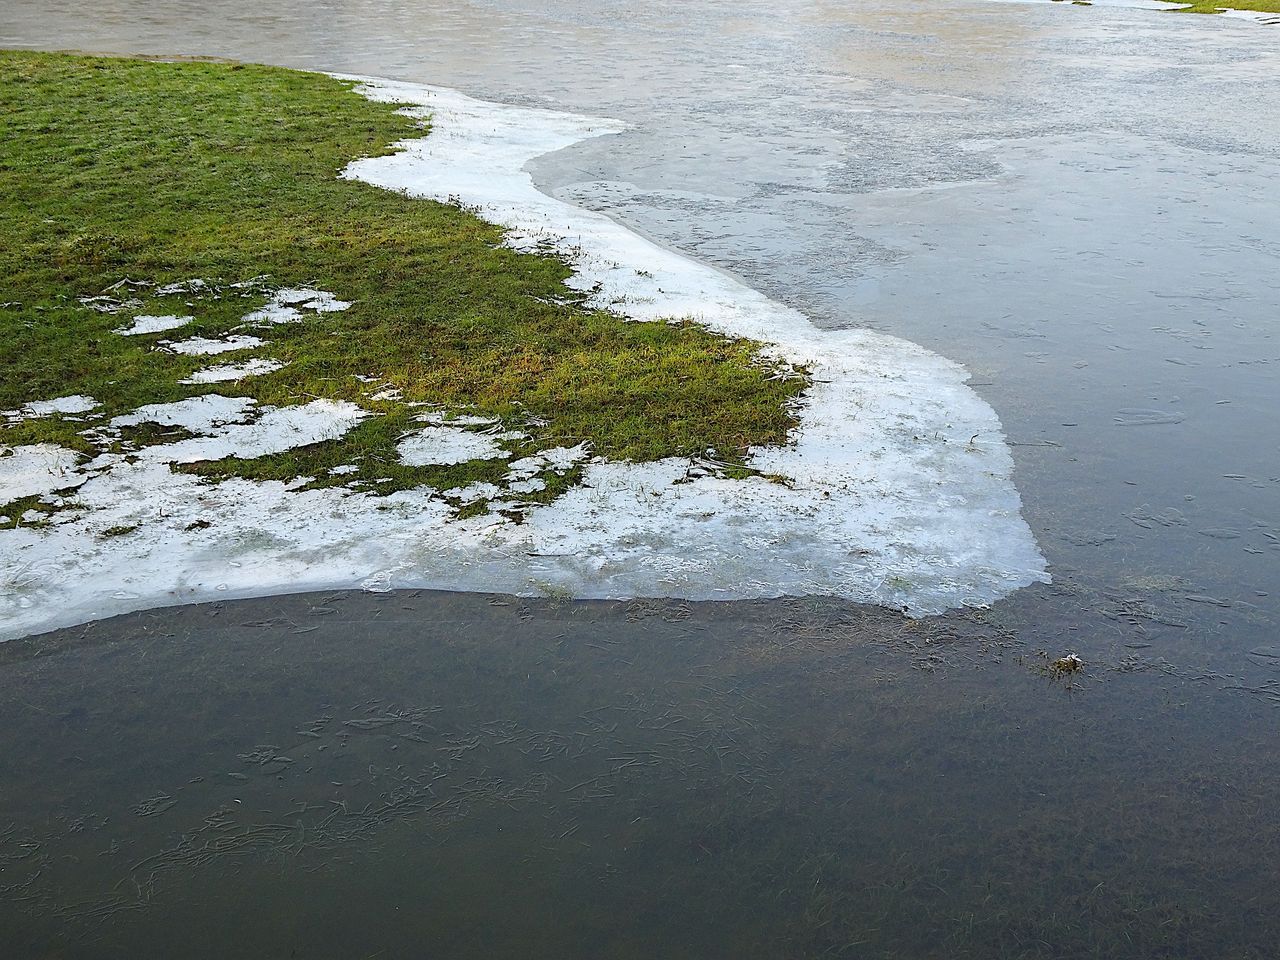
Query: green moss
[164, 172]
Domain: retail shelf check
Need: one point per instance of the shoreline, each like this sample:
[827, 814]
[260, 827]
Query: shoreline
[909, 506]
[1266, 12]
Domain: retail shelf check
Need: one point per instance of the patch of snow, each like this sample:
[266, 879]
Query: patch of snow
[528, 486]
[287, 306]
[201, 346]
[234, 371]
[276, 430]
[460, 420]
[559, 459]
[106, 304]
[273, 313]
[149, 324]
[1255, 16]
[201, 415]
[320, 301]
[447, 445]
[183, 286]
[77, 403]
[475, 491]
[37, 469]
[343, 470]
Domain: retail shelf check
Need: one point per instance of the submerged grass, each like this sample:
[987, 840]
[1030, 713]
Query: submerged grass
[164, 172]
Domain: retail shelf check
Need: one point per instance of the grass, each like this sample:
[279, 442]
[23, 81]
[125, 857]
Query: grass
[1261, 6]
[1208, 6]
[164, 172]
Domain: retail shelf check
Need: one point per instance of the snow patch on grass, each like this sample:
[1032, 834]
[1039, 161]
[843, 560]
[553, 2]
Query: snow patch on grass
[234, 371]
[148, 324]
[203, 415]
[446, 445]
[36, 469]
[47, 408]
[202, 346]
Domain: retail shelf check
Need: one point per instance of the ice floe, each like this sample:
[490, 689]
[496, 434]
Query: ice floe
[895, 488]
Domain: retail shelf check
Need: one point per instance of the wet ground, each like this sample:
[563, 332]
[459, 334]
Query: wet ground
[1077, 203]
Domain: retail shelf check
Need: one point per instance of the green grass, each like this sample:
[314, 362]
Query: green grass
[169, 171]
[1203, 6]
[1207, 6]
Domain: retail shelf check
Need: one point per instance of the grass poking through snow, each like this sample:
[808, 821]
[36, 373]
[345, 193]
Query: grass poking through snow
[165, 172]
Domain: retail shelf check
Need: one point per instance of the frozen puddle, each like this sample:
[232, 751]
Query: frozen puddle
[898, 480]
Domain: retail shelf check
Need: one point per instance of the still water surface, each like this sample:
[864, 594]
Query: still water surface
[1077, 203]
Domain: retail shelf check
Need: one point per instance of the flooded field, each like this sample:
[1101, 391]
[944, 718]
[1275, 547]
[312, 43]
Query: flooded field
[1076, 203]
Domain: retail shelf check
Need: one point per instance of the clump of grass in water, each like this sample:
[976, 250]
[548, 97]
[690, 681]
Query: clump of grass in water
[166, 172]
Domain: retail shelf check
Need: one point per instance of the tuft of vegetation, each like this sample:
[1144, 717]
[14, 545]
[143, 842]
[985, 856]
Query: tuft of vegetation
[1204, 6]
[121, 176]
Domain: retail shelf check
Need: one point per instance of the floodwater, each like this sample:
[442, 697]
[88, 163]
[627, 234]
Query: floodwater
[1078, 203]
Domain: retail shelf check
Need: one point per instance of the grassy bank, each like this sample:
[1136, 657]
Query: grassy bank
[160, 173]
[1208, 6]
[1261, 6]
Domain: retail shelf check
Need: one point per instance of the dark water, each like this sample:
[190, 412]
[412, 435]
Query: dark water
[404, 775]
[1077, 203]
